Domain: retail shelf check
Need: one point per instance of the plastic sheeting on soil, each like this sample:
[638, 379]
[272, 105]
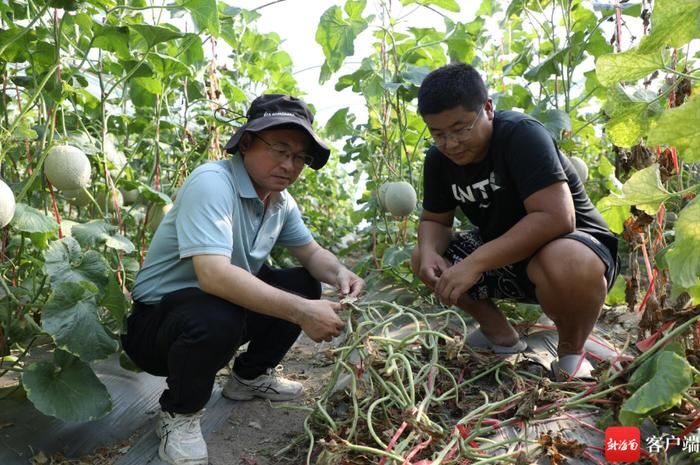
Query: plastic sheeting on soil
[134, 397]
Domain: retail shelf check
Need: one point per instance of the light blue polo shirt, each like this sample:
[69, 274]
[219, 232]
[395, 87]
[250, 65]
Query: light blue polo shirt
[217, 212]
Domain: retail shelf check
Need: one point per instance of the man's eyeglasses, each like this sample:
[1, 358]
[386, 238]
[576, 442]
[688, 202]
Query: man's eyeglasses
[460, 135]
[282, 153]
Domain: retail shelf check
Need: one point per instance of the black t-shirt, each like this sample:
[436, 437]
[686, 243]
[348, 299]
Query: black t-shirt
[522, 159]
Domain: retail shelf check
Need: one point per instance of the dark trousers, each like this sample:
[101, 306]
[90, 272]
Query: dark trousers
[190, 335]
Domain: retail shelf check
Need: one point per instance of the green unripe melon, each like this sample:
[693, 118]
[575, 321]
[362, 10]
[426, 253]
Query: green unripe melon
[156, 215]
[115, 196]
[7, 204]
[114, 156]
[382, 194]
[580, 167]
[67, 167]
[400, 198]
[130, 196]
[77, 197]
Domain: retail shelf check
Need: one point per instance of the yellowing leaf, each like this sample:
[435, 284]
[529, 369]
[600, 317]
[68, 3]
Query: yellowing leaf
[643, 190]
[673, 23]
[629, 110]
[680, 127]
[627, 66]
[627, 129]
[683, 259]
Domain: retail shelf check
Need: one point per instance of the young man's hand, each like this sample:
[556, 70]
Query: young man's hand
[432, 266]
[457, 280]
[348, 283]
[320, 321]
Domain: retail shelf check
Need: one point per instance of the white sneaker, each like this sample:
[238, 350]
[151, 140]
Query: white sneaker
[181, 440]
[268, 386]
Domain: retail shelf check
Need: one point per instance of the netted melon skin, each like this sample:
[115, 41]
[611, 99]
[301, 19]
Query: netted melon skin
[67, 167]
[7, 204]
[400, 198]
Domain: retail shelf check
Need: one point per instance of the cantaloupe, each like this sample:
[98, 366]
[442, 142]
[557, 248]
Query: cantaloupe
[114, 196]
[67, 167]
[580, 167]
[114, 156]
[77, 197]
[156, 215]
[400, 198]
[7, 204]
[382, 194]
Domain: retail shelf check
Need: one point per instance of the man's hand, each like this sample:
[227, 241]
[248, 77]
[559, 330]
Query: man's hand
[457, 280]
[320, 321]
[431, 268]
[348, 283]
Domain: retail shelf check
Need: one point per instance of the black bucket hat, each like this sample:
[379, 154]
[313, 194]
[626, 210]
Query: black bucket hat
[270, 110]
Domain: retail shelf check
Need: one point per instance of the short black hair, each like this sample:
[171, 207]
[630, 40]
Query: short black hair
[450, 86]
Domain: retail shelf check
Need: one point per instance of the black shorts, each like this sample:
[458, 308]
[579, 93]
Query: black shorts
[511, 281]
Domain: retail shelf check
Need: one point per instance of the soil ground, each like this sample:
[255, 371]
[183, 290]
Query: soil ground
[257, 429]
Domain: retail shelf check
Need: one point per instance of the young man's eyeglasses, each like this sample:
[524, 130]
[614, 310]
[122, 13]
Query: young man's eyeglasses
[460, 135]
[281, 152]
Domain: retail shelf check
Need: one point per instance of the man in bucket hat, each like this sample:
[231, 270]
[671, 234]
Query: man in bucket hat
[204, 289]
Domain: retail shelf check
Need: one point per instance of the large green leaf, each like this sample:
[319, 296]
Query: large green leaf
[449, 5]
[673, 23]
[643, 190]
[555, 121]
[193, 51]
[627, 66]
[15, 44]
[683, 258]
[336, 35]
[647, 370]
[167, 66]
[65, 262]
[415, 74]
[204, 14]
[672, 376]
[340, 124]
[98, 232]
[115, 301]
[396, 255]
[461, 40]
[150, 84]
[680, 127]
[71, 317]
[113, 39]
[67, 389]
[30, 220]
[155, 34]
[546, 68]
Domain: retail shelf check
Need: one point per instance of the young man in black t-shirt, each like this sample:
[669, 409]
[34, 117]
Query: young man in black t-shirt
[537, 237]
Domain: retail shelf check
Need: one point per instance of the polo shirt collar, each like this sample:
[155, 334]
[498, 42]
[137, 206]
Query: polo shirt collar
[245, 185]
